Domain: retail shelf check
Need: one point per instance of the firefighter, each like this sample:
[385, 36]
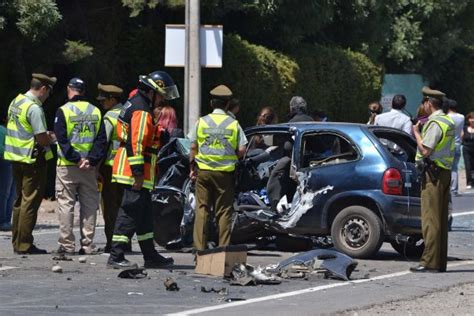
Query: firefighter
[82, 142]
[27, 146]
[109, 97]
[217, 143]
[135, 168]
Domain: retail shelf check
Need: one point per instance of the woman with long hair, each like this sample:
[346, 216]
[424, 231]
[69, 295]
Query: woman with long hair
[166, 118]
[267, 116]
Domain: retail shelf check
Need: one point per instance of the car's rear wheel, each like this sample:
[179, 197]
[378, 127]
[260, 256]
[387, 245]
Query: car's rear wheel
[414, 250]
[357, 232]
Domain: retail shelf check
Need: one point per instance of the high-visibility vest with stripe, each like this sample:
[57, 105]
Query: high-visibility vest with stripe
[443, 153]
[82, 126]
[112, 116]
[217, 138]
[146, 150]
[20, 139]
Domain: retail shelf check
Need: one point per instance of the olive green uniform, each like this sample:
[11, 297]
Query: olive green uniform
[435, 191]
[27, 119]
[112, 192]
[218, 137]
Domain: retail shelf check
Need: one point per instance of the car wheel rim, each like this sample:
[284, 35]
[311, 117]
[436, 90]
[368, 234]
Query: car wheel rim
[355, 232]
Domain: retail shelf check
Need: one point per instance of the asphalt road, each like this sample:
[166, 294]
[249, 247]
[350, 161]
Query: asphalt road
[27, 285]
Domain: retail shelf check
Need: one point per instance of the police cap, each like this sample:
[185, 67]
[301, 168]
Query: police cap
[107, 91]
[427, 92]
[221, 92]
[44, 79]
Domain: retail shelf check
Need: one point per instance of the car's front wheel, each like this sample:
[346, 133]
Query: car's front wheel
[357, 232]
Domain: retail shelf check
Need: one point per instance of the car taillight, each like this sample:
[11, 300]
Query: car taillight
[392, 182]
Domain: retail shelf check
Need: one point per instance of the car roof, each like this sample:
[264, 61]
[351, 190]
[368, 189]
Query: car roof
[303, 126]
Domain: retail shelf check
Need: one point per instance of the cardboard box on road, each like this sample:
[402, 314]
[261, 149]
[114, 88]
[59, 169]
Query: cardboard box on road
[220, 261]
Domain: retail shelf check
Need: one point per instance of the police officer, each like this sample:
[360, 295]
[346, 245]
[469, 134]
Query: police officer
[217, 143]
[109, 97]
[435, 152]
[135, 168]
[27, 145]
[82, 143]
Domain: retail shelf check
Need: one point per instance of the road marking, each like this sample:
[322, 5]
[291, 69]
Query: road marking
[304, 291]
[462, 214]
[7, 268]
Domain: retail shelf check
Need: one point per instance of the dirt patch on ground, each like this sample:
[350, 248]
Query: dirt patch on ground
[457, 300]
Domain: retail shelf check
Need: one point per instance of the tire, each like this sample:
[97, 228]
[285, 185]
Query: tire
[357, 232]
[414, 250]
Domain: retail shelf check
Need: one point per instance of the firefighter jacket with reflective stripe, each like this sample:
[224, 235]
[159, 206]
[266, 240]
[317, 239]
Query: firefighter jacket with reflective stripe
[140, 139]
[83, 121]
[443, 153]
[114, 144]
[20, 140]
[217, 139]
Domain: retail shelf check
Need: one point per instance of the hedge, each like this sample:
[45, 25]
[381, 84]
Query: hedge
[337, 81]
[457, 80]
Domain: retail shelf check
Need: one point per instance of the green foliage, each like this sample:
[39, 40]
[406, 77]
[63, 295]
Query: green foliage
[458, 78]
[36, 17]
[137, 6]
[340, 82]
[258, 77]
[76, 51]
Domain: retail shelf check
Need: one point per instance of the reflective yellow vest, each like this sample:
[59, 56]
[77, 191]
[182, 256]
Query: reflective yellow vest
[82, 127]
[217, 138]
[20, 140]
[443, 153]
[112, 116]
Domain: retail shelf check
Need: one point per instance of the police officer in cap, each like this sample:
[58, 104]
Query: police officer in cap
[27, 146]
[435, 144]
[109, 98]
[218, 142]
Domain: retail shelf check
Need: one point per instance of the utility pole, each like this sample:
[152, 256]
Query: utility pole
[192, 68]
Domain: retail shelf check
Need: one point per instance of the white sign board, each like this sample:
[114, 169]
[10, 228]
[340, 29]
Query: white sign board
[211, 40]
[386, 102]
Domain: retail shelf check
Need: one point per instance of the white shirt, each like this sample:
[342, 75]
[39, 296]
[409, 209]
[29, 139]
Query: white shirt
[396, 119]
[459, 124]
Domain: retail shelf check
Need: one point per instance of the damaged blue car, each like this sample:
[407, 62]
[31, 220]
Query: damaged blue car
[355, 183]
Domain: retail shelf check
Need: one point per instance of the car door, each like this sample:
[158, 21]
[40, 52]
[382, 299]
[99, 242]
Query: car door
[402, 149]
[326, 162]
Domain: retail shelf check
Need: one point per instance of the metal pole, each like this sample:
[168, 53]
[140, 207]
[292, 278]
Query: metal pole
[192, 68]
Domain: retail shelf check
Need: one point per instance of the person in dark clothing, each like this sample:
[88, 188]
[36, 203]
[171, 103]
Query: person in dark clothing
[468, 149]
[135, 169]
[298, 109]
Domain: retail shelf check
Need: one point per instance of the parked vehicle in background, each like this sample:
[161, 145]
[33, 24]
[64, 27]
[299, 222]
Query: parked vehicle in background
[355, 183]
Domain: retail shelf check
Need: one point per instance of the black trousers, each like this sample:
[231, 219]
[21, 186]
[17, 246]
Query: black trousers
[468, 156]
[134, 216]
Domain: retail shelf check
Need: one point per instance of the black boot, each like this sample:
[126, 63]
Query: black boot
[159, 262]
[120, 264]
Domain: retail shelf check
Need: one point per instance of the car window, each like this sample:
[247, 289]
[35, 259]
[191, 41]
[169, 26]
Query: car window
[402, 147]
[326, 149]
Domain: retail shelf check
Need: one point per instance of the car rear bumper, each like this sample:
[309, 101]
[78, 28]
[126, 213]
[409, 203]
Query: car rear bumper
[402, 214]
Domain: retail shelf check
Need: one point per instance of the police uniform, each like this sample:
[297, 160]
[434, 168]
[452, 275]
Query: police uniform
[438, 135]
[111, 191]
[218, 137]
[26, 120]
[81, 136]
[140, 139]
